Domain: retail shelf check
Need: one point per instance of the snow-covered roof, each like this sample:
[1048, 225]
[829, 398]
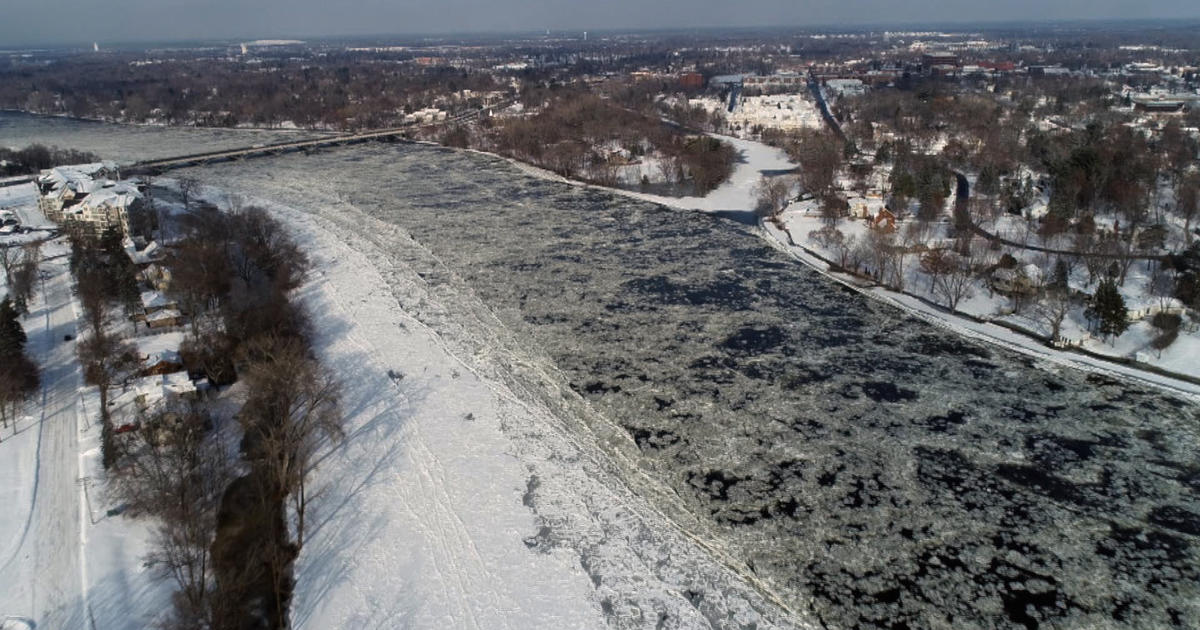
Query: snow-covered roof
[151, 253]
[147, 393]
[112, 194]
[63, 176]
[160, 348]
[165, 314]
[155, 300]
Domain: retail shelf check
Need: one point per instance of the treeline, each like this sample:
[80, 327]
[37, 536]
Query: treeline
[19, 375]
[228, 530]
[338, 91]
[36, 157]
[580, 135]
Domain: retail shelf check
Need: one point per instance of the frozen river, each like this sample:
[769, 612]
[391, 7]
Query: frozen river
[877, 470]
[128, 143]
[869, 467]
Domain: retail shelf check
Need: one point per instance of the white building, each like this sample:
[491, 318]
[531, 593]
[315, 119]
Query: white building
[88, 195]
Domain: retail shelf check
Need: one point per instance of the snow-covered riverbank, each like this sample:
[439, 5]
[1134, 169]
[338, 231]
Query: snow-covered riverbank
[457, 501]
[737, 196]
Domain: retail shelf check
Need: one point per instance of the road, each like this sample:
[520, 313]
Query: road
[42, 577]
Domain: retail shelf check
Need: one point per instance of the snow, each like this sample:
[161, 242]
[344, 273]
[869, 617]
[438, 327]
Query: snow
[66, 563]
[736, 194]
[460, 499]
[998, 335]
[427, 526]
[163, 347]
[20, 202]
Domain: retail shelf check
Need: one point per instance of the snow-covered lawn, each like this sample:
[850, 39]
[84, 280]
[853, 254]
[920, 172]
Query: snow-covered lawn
[1180, 357]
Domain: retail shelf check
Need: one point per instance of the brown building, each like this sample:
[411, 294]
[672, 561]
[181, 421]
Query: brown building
[935, 61]
[691, 81]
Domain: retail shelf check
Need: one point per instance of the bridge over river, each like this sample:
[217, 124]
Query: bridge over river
[197, 159]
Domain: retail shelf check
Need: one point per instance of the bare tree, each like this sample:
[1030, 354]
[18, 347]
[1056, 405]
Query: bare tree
[107, 360]
[1052, 309]
[177, 471]
[188, 188]
[877, 251]
[293, 412]
[1187, 196]
[956, 281]
[10, 257]
[771, 194]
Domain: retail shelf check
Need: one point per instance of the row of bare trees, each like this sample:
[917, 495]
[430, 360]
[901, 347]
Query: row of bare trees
[229, 532]
[579, 134]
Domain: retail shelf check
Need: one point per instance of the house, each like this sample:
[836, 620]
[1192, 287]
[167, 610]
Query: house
[154, 301]
[156, 276]
[167, 318]
[885, 220]
[148, 255]
[160, 353]
[151, 395]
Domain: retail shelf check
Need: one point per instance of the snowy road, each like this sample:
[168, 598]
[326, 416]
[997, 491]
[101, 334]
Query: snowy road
[42, 572]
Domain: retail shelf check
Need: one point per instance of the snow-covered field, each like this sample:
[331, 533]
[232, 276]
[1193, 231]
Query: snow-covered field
[735, 196]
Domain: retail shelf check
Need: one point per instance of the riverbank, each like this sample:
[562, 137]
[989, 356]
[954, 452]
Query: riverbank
[1010, 338]
[770, 399]
[735, 199]
[163, 125]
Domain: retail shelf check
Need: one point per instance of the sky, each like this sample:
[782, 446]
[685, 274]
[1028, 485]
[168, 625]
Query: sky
[31, 22]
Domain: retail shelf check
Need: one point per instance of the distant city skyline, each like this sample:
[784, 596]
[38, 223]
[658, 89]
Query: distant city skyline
[128, 21]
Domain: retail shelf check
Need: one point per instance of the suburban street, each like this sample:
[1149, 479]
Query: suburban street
[42, 572]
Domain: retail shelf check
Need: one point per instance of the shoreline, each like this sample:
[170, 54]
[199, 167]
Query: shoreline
[86, 119]
[986, 331]
[956, 323]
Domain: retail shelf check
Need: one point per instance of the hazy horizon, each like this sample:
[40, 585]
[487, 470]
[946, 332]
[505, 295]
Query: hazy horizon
[142, 21]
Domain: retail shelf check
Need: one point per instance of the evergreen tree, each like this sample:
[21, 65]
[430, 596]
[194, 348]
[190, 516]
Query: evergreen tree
[1107, 309]
[12, 335]
[1059, 277]
[988, 182]
[18, 375]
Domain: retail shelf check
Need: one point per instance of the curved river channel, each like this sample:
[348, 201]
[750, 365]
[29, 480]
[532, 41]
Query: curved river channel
[878, 471]
[875, 470]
